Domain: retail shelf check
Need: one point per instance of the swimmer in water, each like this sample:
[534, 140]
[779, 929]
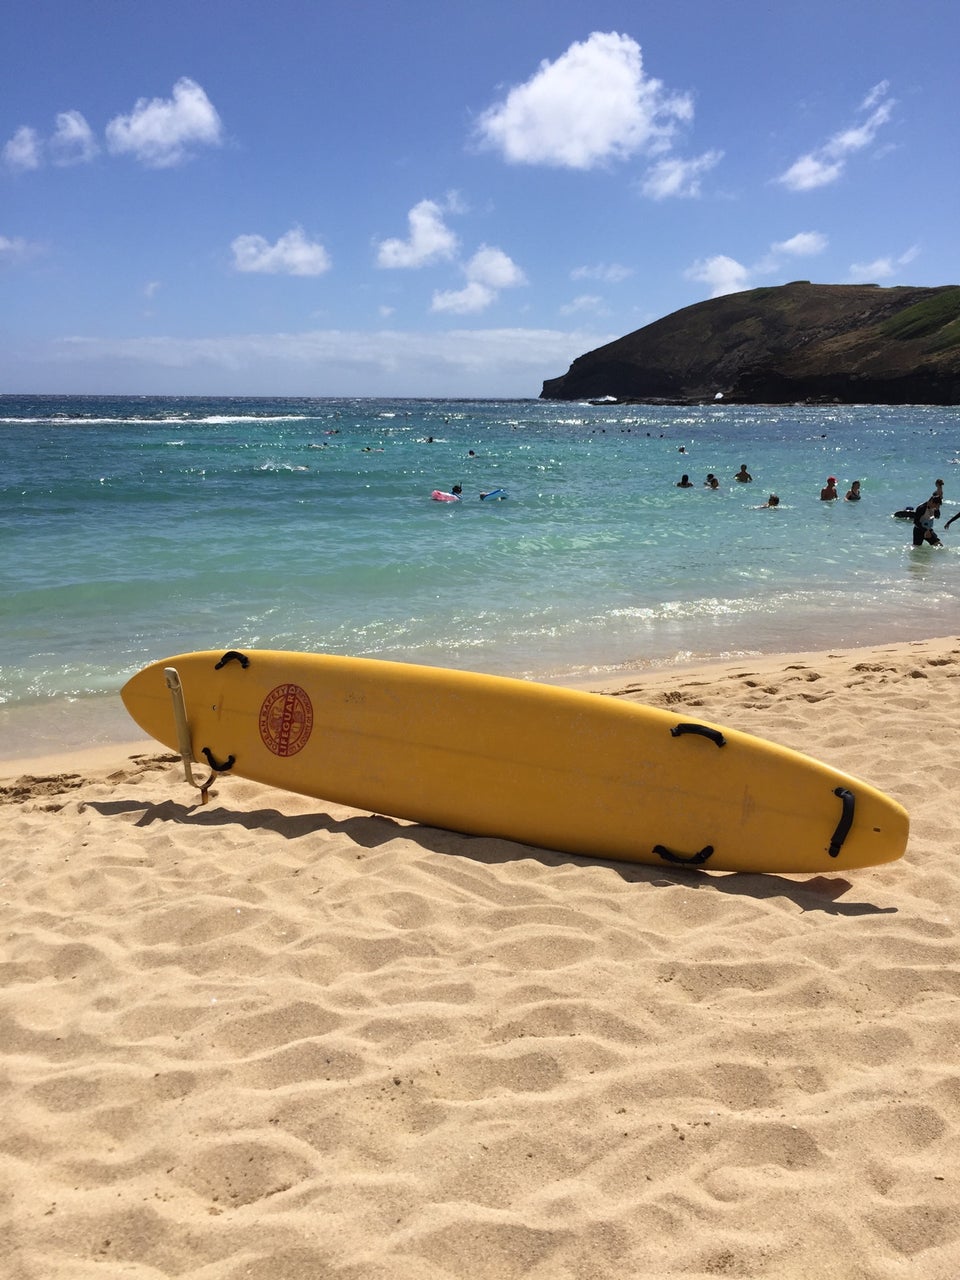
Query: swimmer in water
[923, 518]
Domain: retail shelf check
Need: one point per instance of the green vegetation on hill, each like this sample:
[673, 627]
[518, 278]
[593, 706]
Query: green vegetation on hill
[938, 315]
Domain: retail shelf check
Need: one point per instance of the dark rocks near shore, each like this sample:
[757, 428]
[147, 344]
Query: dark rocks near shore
[794, 343]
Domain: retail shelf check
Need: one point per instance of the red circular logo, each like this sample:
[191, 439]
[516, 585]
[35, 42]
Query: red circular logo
[286, 720]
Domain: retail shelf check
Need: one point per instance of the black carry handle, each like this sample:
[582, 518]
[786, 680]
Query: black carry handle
[685, 860]
[216, 765]
[702, 729]
[233, 656]
[846, 820]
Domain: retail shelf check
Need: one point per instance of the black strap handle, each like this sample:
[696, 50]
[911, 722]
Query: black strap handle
[215, 764]
[685, 860]
[702, 729]
[233, 656]
[846, 819]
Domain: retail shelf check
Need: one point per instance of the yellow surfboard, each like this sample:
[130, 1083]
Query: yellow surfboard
[492, 756]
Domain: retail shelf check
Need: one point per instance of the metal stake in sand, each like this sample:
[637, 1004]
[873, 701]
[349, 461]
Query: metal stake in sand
[184, 745]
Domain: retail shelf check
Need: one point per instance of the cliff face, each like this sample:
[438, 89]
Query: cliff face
[801, 342]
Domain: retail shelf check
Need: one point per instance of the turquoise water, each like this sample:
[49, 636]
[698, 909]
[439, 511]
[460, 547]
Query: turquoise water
[132, 528]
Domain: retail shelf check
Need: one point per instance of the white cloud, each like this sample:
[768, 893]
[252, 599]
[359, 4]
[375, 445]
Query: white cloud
[803, 244]
[160, 132]
[722, 274]
[881, 268]
[475, 296]
[727, 275]
[593, 105]
[16, 249]
[811, 171]
[675, 177]
[292, 255]
[492, 267]
[825, 164]
[606, 273]
[585, 302]
[73, 141]
[24, 151]
[487, 272]
[430, 239]
[875, 96]
[457, 362]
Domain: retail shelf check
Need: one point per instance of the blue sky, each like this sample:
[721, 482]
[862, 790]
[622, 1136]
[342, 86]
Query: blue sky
[428, 197]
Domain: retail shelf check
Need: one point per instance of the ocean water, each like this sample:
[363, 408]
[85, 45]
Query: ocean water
[136, 527]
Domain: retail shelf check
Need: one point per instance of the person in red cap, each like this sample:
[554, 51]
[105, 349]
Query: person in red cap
[829, 490]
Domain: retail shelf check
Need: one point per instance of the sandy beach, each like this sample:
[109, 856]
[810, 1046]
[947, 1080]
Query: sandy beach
[275, 1038]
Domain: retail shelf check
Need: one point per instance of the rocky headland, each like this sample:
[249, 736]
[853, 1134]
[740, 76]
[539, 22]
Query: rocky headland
[794, 343]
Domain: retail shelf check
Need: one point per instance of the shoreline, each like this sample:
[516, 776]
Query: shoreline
[62, 729]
